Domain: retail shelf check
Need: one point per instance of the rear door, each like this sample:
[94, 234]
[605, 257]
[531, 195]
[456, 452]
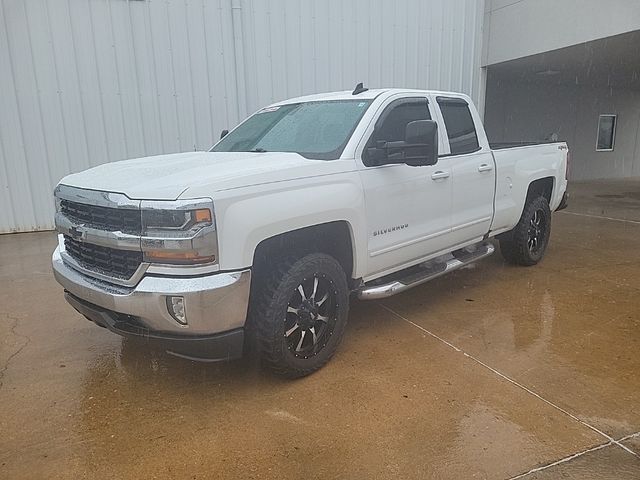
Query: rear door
[473, 171]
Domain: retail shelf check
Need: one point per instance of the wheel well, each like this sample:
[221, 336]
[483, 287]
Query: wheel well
[332, 238]
[541, 187]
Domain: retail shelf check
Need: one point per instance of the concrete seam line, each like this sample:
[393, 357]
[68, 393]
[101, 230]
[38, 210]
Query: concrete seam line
[628, 437]
[562, 460]
[510, 380]
[601, 217]
[575, 455]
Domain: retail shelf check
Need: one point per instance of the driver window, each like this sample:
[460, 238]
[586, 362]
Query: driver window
[391, 127]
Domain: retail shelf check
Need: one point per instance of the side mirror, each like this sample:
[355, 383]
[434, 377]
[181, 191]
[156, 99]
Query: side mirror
[421, 143]
[223, 133]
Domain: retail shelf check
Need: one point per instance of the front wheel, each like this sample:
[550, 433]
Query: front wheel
[299, 314]
[527, 242]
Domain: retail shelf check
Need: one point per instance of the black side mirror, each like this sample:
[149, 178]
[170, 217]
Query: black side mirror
[419, 147]
[421, 143]
[223, 133]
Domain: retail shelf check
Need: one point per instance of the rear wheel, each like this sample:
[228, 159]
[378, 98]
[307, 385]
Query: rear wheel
[299, 314]
[527, 242]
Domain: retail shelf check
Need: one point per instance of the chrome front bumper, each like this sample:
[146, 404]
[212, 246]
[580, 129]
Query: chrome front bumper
[213, 303]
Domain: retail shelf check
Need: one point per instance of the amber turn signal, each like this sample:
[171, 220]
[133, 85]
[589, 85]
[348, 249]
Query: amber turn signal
[177, 257]
[203, 215]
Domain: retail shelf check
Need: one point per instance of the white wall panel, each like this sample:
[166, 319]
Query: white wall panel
[516, 29]
[83, 82]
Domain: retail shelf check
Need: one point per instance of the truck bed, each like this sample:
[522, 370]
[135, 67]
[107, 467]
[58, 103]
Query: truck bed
[517, 164]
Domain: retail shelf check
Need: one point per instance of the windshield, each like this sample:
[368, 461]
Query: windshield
[318, 130]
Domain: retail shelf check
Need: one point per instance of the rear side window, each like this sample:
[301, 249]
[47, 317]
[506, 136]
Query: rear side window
[392, 125]
[460, 127]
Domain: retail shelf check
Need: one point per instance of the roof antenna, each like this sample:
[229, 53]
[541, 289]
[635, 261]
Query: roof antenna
[359, 89]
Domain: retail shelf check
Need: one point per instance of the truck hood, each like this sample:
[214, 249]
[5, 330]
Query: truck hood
[166, 177]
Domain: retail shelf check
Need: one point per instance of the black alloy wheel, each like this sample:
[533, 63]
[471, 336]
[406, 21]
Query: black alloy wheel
[311, 316]
[537, 230]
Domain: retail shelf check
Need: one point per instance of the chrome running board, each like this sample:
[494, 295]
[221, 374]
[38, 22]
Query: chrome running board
[414, 276]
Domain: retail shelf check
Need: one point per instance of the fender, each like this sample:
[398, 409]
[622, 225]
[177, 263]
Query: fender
[246, 217]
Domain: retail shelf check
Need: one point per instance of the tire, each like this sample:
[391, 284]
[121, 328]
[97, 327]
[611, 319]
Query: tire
[298, 314]
[527, 242]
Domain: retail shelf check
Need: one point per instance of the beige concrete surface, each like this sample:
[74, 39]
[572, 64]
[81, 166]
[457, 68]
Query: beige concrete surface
[492, 372]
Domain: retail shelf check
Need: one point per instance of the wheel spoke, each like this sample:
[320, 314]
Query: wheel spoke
[290, 309]
[291, 330]
[301, 290]
[322, 318]
[315, 287]
[323, 299]
[301, 340]
[313, 332]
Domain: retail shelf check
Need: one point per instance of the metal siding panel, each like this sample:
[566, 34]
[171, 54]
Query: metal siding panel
[323, 52]
[18, 207]
[197, 52]
[182, 75]
[143, 47]
[375, 60]
[29, 117]
[306, 54]
[88, 86]
[91, 81]
[219, 67]
[70, 101]
[108, 81]
[163, 76]
[54, 163]
[133, 27]
[126, 71]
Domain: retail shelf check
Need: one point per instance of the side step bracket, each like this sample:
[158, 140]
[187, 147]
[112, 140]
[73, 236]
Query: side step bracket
[414, 276]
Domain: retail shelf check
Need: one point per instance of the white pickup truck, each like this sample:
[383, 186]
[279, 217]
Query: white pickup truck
[260, 241]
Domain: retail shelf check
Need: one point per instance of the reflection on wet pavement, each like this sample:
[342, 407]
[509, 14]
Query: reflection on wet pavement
[395, 402]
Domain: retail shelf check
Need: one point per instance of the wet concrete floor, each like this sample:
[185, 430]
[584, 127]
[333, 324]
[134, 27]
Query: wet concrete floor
[492, 372]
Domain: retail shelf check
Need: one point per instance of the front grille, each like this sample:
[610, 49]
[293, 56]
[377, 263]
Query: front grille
[107, 261]
[126, 220]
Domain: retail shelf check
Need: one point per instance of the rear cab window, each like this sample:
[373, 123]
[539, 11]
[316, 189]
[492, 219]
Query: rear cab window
[461, 130]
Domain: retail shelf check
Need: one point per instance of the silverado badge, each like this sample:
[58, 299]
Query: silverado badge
[382, 231]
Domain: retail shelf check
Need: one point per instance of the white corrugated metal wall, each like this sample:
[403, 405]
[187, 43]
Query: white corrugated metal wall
[83, 82]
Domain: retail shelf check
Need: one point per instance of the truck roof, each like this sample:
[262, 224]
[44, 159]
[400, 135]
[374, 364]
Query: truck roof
[367, 95]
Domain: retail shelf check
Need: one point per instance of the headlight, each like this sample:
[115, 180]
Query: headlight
[181, 232]
[175, 219]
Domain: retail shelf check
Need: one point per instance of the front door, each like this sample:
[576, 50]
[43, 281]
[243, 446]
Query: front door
[408, 208]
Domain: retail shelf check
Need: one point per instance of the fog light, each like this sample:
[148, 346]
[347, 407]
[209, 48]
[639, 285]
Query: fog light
[175, 305]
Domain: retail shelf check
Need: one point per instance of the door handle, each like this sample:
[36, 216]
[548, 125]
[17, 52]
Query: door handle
[485, 167]
[439, 175]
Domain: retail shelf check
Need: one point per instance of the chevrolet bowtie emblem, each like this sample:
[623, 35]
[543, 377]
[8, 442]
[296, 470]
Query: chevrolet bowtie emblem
[77, 233]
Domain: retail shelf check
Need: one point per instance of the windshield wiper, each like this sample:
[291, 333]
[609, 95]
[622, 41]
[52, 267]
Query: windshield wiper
[258, 150]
